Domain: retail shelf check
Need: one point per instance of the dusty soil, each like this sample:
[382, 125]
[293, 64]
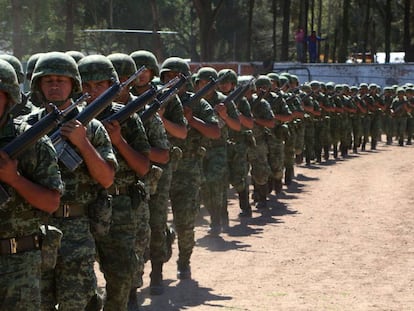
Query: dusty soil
[341, 237]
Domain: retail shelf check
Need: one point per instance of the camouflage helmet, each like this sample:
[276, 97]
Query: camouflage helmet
[263, 81]
[206, 73]
[8, 82]
[31, 63]
[123, 63]
[283, 80]
[147, 59]
[231, 75]
[76, 55]
[176, 64]
[56, 63]
[17, 65]
[244, 79]
[273, 76]
[294, 78]
[97, 68]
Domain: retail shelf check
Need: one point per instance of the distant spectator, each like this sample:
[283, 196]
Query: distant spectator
[312, 42]
[300, 43]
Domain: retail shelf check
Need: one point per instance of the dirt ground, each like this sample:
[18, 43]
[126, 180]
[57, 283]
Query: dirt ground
[341, 237]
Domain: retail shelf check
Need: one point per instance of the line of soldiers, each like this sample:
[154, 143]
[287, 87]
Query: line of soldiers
[113, 207]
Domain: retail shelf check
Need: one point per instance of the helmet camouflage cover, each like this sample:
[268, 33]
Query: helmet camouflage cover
[147, 59]
[206, 73]
[31, 63]
[97, 68]
[56, 63]
[9, 83]
[17, 65]
[123, 63]
[176, 64]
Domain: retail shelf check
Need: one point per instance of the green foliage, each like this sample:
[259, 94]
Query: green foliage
[43, 27]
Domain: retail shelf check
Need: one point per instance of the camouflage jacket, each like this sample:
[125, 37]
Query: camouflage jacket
[38, 164]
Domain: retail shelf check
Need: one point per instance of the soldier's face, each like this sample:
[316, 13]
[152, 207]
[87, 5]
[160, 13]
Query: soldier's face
[144, 78]
[226, 87]
[3, 102]
[95, 88]
[56, 88]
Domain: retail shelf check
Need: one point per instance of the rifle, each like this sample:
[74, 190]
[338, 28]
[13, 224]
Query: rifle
[238, 93]
[28, 138]
[66, 154]
[164, 97]
[206, 88]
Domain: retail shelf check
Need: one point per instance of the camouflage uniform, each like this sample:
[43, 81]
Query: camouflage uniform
[117, 251]
[215, 185]
[72, 283]
[186, 180]
[20, 269]
[400, 114]
[275, 140]
[238, 165]
[258, 155]
[162, 235]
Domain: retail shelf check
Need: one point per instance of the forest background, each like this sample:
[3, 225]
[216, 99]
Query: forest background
[208, 30]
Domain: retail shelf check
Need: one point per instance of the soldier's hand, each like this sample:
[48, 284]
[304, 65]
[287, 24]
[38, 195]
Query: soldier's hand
[161, 111]
[188, 113]
[74, 131]
[221, 109]
[8, 169]
[114, 130]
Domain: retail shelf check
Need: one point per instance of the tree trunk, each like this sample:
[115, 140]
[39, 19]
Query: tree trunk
[157, 43]
[274, 40]
[250, 30]
[366, 30]
[207, 16]
[343, 49]
[69, 38]
[285, 31]
[17, 30]
[408, 46]
[387, 32]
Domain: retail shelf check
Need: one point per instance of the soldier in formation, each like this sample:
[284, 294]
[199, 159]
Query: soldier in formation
[112, 205]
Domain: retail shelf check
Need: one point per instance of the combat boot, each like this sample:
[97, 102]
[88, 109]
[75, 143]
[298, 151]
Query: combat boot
[156, 286]
[326, 153]
[278, 186]
[246, 210]
[183, 271]
[335, 151]
[96, 302]
[373, 144]
[262, 192]
[289, 175]
[132, 300]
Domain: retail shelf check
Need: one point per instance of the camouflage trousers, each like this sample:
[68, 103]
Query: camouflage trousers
[158, 208]
[259, 161]
[310, 132]
[73, 282]
[142, 242]
[400, 127]
[214, 188]
[20, 281]
[116, 253]
[238, 166]
[276, 157]
[184, 196]
[290, 144]
[300, 136]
